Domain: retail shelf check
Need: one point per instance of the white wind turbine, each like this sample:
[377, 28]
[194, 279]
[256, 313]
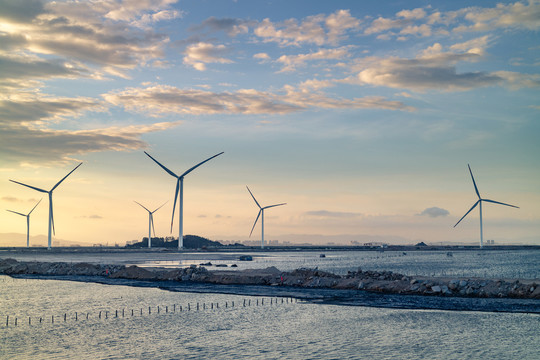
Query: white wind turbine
[261, 214]
[150, 222]
[50, 192]
[479, 202]
[27, 222]
[180, 188]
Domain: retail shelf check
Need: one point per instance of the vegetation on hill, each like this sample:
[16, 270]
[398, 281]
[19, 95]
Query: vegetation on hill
[190, 241]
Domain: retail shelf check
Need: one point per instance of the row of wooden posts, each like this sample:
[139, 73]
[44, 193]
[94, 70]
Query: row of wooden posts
[104, 314]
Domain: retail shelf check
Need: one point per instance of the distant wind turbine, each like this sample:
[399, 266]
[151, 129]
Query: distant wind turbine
[479, 202]
[151, 222]
[180, 188]
[27, 222]
[50, 192]
[261, 214]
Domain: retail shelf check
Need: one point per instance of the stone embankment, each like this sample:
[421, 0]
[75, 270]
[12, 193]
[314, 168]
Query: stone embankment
[384, 282]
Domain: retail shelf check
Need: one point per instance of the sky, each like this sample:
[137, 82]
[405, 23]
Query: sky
[362, 116]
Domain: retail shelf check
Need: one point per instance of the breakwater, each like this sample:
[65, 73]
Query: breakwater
[370, 281]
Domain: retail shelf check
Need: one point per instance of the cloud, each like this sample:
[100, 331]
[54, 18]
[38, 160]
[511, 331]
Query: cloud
[434, 212]
[290, 62]
[418, 22]
[20, 11]
[516, 15]
[230, 26]
[318, 29]
[93, 217]
[32, 107]
[11, 199]
[261, 56]
[434, 68]
[157, 100]
[44, 147]
[100, 34]
[332, 214]
[202, 53]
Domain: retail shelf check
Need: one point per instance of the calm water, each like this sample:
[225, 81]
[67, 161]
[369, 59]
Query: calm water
[486, 263]
[277, 330]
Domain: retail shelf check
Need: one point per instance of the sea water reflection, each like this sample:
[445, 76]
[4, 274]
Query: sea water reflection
[487, 264]
[290, 330]
[467, 263]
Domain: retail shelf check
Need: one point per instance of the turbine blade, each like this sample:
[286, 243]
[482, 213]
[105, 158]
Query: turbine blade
[162, 166]
[255, 223]
[141, 206]
[64, 178]
[31, 187]
[500, 203]
[18, 213]
[270, 206]
[160, 206]
[199, 164]
[35, 206]
[476, 203]
[175, 197]
[256, 202]
[474, 182]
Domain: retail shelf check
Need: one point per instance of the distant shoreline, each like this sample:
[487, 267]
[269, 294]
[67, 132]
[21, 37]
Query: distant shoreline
[290, 248]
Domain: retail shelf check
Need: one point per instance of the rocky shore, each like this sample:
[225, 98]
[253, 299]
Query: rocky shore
[370, 281]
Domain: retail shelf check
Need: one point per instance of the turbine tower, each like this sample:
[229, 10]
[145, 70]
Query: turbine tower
[27, 222]
[150, 222]
[180, 188]
[479, 202]
[261, 214]
[50, 192]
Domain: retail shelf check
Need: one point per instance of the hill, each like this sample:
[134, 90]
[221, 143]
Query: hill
[190, 242]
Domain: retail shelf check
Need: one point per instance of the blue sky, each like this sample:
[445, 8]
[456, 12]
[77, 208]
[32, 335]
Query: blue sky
[362, 116]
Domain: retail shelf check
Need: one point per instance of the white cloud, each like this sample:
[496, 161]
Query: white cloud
[290, 62]
[157, 100]
[318, 29]
[261, 56]
[198, 55]
[436, 69]
[417, 22]
[517, 15]
[100, 35]
[416, 14]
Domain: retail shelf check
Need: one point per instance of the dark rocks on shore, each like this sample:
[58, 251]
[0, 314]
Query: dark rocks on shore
[383, 281]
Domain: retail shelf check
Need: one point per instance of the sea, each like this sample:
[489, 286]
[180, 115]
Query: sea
[63, 319]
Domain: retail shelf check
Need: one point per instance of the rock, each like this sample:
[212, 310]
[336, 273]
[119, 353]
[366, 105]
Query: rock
[436, 289]
[462, 283]
[135, 273]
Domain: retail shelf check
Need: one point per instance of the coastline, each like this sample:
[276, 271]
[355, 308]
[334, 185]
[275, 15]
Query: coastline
[358, 288]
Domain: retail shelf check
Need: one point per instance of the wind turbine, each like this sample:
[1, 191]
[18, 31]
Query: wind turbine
[27, 222]
[479, 202]
[180, 188]
[261, 214]
[50, 192]
[150, 222]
